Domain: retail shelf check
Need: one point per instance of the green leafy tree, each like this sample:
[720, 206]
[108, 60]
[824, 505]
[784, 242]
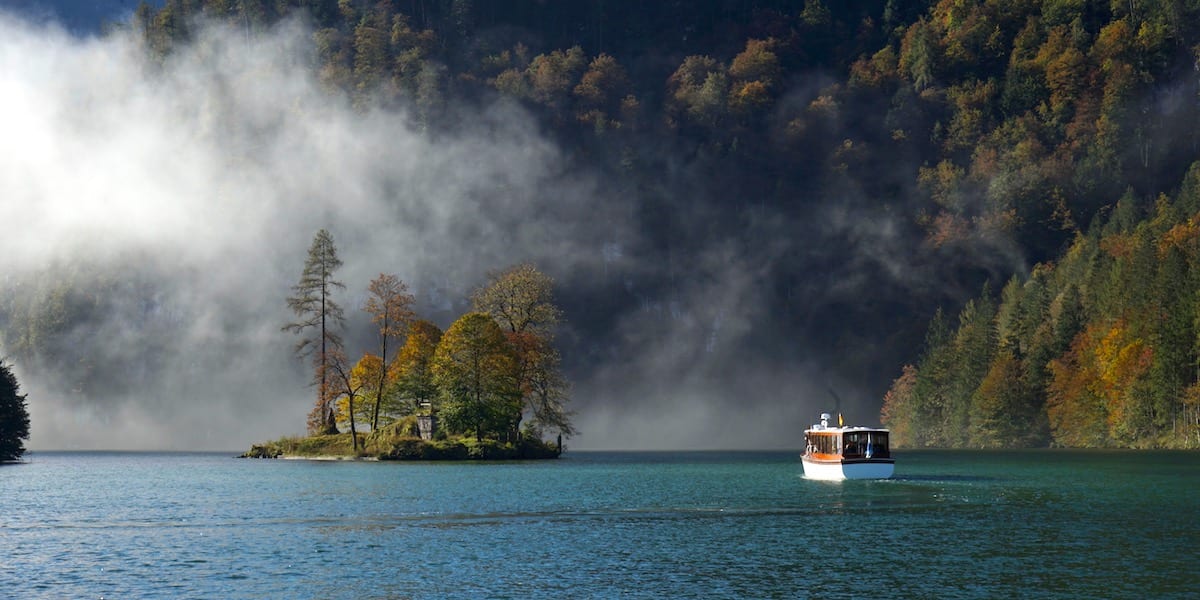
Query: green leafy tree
[364, 379]
[473, 369]
[14, 416]
[1174, 356]
[697, 92]
[318, 319]
[601, 92]
[920, 54]
[410, 377]
[521, 300]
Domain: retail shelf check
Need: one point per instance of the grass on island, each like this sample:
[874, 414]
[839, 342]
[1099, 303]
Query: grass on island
[396, 442]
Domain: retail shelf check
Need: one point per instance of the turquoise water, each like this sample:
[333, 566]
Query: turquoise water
[601, 525]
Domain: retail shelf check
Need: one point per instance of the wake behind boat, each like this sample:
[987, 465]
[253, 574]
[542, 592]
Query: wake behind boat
[835, 453]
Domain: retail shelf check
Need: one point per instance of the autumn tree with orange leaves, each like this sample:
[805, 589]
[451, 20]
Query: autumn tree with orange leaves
[521, 300]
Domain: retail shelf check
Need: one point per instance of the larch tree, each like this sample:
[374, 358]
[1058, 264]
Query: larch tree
[14, 416]
[390, 307]
[319, 318]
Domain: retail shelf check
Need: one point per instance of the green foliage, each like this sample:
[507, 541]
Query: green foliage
[474, 369]
[410, 376]
[521, 301]
[390, 446]
[1023, 121]
[14, 416]
[1098, 350]
[313, 446]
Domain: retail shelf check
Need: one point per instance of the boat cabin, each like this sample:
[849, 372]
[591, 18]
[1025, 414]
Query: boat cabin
[848, 443]
[846, 452]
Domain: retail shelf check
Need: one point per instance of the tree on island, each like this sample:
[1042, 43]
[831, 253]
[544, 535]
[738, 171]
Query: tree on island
[390, 307]
[491, 371]
[14, 416]
[473, 368]
[318, 319]
[345, 387]
[410, 376]
[521, 300]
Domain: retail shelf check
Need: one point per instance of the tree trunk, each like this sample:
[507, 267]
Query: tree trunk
[353, 432]
[331, 423]
[382, 380]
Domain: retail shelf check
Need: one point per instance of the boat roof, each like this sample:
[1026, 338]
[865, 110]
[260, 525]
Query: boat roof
[819, 429]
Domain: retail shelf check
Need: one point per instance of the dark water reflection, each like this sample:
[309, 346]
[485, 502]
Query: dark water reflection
[629, 525]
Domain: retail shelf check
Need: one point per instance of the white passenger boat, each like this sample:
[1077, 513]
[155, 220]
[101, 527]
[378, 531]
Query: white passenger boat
[835, 453]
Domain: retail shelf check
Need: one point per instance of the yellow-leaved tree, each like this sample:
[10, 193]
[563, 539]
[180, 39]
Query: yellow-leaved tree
[410, 376]
[473, 368]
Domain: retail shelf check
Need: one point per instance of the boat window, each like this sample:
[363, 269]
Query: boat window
[877, 445]
[823, 444]
[855, 445]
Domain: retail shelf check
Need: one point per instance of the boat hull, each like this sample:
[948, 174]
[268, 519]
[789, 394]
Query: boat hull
[837, 470]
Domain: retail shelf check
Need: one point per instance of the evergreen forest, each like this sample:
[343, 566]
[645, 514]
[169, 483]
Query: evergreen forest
[992, 205]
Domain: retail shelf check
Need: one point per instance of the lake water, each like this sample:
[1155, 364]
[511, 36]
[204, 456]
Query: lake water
[601, 525]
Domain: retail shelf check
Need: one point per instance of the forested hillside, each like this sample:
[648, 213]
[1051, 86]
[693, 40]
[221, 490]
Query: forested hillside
[861, 163]
[1096, 349]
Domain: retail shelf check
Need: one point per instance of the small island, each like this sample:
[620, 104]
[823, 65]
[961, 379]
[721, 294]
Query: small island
[487, 388]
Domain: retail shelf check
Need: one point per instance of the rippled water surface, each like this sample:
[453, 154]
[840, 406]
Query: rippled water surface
[624, 525]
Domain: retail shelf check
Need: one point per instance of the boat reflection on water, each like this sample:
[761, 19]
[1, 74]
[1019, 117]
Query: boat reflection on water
[836, 453]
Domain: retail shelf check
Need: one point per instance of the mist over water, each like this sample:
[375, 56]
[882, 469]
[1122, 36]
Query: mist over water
[189, 192]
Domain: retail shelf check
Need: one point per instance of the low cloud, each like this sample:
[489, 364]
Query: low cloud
[183, 196]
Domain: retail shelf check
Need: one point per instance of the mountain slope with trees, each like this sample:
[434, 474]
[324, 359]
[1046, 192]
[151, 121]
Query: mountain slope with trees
[1097, 349]
[866, 161]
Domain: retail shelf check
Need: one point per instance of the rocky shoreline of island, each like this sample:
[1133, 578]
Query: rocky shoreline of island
[340, 446]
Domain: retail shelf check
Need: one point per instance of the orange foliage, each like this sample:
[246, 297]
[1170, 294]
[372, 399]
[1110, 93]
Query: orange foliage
[1114, 42]
[750, 97]
[1076, 414]
[1118, 245]
[875, 72]
[1121, 360]
[1182, 236]
[1090, 394]
[948, 229]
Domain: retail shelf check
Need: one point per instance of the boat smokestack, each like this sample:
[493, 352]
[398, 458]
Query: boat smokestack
[824, 420]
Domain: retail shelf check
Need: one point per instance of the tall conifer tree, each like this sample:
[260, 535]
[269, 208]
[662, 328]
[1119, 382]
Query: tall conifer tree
[14, 417]
[319, 318]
